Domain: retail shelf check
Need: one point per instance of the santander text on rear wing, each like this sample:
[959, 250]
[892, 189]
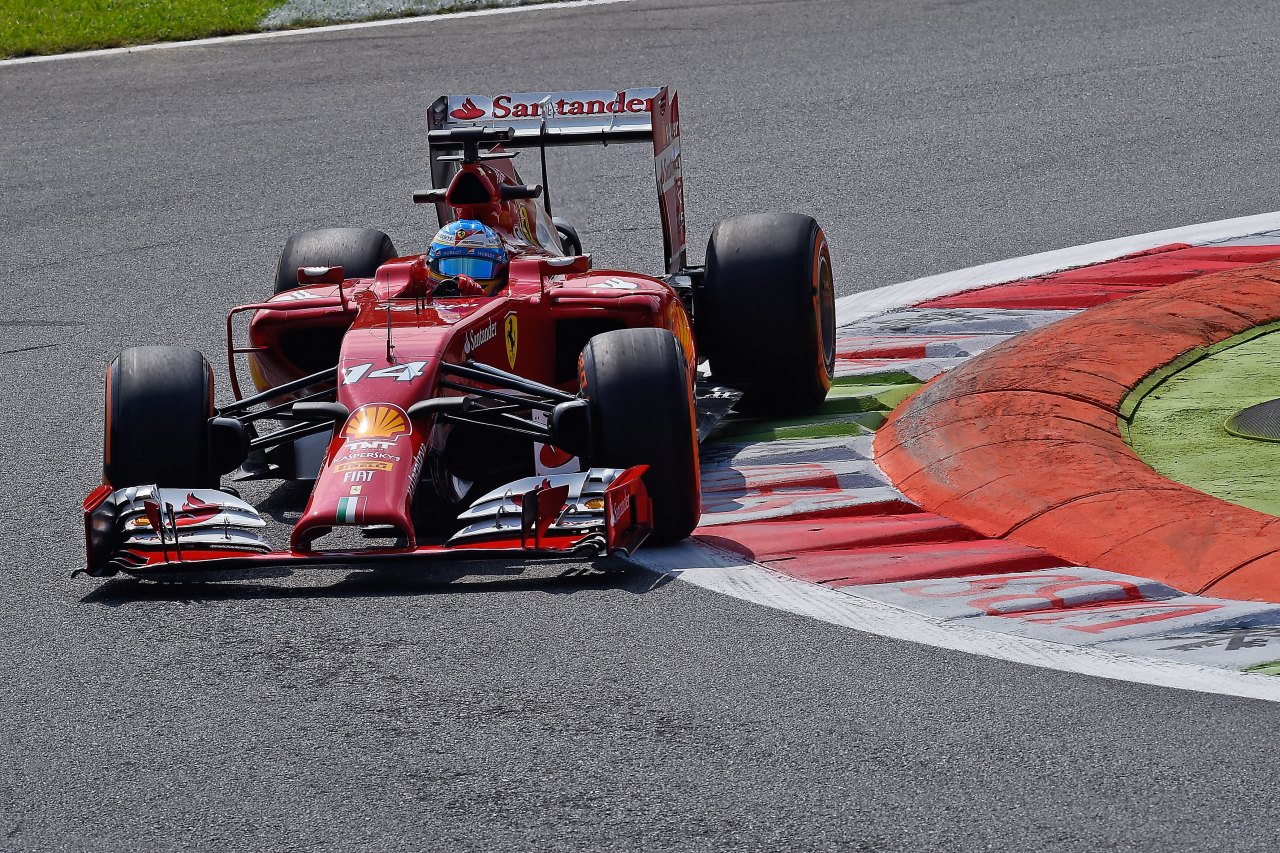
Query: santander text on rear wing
[551, 119]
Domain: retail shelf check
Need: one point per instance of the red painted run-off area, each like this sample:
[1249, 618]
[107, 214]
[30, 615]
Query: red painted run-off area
[890, 347]
[1086, 287]
[1022, 442]
[999, 451]
[877, 543]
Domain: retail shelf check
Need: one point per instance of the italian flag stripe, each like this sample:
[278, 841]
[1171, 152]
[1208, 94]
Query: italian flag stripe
[348, 509]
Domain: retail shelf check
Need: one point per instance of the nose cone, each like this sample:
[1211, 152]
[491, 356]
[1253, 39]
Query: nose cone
[368, 477]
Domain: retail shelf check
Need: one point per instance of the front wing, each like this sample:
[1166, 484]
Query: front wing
[151, 531]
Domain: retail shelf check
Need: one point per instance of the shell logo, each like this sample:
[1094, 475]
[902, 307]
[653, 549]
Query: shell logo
[376, 421]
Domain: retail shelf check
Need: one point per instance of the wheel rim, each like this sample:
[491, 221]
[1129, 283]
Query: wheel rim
[827, 314]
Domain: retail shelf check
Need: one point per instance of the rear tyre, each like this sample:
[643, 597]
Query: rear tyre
[359, 251]
[159, 402]
[637, 382]
[765, 315]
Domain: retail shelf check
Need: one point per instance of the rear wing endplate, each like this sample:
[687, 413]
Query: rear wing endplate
[553, 119]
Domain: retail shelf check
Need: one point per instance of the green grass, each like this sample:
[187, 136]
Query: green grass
[29, 27]
[1179, 428]
[39, 27]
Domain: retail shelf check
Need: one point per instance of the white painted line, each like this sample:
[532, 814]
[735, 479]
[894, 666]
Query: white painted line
[859, 306]
[331, 28]
[728, 575]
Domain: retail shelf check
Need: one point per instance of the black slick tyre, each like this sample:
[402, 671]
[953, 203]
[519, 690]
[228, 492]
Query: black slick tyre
[638, 385]
[765, 314]
[359, 251]
[159, 401]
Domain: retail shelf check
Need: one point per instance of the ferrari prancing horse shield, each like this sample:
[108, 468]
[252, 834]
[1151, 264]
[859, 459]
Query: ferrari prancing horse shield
[511, 334]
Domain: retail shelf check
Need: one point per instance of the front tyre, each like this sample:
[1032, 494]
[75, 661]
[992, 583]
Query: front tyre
[159, 402]
[638, 385]
[765, 315]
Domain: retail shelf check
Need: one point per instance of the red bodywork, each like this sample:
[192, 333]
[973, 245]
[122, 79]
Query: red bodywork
[394, 337]
[389, 337]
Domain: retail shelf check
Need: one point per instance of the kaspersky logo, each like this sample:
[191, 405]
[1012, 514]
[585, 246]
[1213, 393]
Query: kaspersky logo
[377, 420]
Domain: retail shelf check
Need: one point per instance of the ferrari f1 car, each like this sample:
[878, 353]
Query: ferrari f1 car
[560, 415]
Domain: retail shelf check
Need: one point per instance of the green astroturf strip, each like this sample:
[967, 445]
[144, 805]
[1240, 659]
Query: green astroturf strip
[30, 27]
[816, 426]
[867, 398]
[887, 377]
[852, 408]
[1272, 668]
[1178, 428]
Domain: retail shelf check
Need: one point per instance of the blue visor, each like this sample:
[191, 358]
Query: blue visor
[468, 265]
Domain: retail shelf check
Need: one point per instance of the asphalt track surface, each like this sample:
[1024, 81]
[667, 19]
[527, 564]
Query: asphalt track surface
[144, 194]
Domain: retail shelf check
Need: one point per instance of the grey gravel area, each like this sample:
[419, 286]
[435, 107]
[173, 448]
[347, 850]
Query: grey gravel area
[297, 12]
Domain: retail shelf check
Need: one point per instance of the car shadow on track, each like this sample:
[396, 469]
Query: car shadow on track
[386, 582]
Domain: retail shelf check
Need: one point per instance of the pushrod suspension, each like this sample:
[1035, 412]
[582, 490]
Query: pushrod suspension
[280, 436]
[525, 402]
[478, 372]
[327, 375]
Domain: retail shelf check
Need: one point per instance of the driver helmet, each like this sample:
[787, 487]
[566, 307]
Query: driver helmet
[471, 248]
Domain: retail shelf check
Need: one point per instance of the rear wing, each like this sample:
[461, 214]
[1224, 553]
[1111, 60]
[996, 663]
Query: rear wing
[552, 119]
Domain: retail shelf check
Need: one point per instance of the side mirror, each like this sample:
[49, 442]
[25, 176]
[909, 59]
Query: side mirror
[509, 192]
[437, 405]
[319, 411]
[321, 275]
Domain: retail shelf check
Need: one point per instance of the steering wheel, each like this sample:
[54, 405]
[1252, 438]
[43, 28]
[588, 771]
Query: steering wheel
[457, 285]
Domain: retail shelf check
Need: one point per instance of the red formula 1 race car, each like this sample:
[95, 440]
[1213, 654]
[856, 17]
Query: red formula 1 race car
[493, 396]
